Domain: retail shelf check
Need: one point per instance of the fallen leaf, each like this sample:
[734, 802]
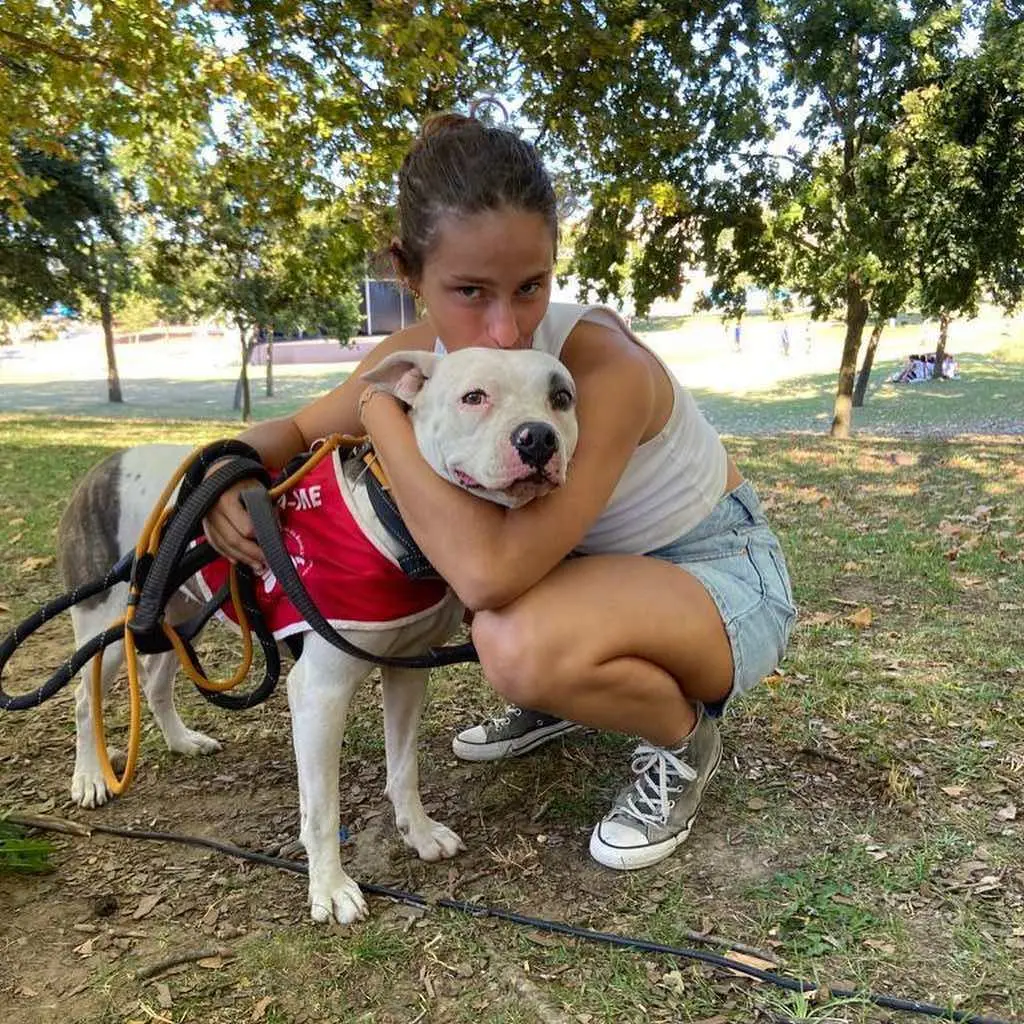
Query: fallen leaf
[211, 963]
[673, 981]
[1007, 813]
[954, 790]
[862, 618]
[146, 905]
[33, 563]
[24, 990]
[163, 995]
[881, 945]
[756, 804]
[750, 961]
[261, 1007]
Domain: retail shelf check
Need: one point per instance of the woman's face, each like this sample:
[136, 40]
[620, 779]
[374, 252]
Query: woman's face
[487, 280]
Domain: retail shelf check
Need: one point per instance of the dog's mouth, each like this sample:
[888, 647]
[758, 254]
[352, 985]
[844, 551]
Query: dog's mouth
[463, 479]
[532, 484]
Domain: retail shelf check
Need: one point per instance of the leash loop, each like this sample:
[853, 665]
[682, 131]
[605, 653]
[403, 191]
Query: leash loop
[168, 553]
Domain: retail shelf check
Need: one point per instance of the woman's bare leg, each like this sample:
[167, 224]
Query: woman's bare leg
[618, 642]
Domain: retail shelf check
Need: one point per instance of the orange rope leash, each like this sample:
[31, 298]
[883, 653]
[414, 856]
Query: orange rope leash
[148, 543]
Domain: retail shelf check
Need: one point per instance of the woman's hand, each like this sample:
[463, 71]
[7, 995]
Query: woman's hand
[229, 529]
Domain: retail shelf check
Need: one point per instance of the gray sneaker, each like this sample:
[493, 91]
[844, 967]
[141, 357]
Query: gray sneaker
[517, 731]
[654, 814]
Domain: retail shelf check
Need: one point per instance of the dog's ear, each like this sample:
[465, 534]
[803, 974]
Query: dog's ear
[403, 373]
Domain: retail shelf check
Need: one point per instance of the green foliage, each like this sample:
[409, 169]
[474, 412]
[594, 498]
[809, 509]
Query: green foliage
[21, 855]
[67, 242]
[125, 70]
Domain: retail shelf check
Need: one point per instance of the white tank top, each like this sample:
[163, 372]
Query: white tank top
[671, 482]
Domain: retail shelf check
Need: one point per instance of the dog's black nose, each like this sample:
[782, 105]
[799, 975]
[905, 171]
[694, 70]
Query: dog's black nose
[535, 442]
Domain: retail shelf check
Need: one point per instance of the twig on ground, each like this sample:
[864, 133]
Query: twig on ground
[48, 823]
[182, 958]
[736, 947]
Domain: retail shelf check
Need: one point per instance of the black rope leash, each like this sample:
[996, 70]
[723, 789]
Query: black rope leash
[154, 579]
[714, 960]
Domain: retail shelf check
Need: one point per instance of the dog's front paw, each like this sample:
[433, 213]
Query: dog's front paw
[341, 900]
[88, 784]
[430, 839]
[192, 743]
[89, 787]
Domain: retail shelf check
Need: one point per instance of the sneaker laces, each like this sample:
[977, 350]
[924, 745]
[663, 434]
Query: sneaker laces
[658, 770]
[511, 711]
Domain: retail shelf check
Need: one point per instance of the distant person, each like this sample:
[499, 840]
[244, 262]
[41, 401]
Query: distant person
[784, 339]
[737, 338]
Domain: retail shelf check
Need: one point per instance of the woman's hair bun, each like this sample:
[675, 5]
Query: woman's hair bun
[441, 124]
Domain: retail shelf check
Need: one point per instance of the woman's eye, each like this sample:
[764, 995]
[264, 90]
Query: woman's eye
[468, 291]
[561, 399]
[475, 397]
[530, 289]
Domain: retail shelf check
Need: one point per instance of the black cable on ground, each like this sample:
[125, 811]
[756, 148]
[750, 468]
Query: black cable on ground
[606, 938]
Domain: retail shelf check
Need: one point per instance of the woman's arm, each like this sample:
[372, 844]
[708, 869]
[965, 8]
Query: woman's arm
[488, 554]
[228, 525]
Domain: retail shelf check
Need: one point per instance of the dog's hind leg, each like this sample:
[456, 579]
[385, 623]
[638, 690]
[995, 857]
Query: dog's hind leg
[404, 693]
[159, 671]
[88, 785]
[320, 687]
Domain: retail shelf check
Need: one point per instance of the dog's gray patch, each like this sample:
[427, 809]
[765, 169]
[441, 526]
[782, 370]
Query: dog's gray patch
[561, 382]
[87, 544]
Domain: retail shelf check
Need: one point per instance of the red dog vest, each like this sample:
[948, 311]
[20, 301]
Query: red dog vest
[355, 582]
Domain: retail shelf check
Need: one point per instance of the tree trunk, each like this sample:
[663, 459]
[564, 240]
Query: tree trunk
[856, 318]
[865, 367]
[113, 380]
[270, 362]
[940, 351]
[243, 399]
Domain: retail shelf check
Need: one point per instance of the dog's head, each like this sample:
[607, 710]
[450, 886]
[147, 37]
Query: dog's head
[501, 424]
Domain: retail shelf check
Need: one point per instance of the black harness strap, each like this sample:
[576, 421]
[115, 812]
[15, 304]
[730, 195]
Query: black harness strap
[412, 561]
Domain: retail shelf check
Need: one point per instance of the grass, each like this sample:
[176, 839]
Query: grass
[865, 829]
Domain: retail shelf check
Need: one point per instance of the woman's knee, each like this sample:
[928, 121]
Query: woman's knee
[515, 657]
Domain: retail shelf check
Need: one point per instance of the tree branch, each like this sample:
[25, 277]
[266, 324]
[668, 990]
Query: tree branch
[54, 51]
[830, 101]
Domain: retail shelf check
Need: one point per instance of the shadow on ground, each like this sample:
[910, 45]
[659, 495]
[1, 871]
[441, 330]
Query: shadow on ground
[163, 398]
[987, 399]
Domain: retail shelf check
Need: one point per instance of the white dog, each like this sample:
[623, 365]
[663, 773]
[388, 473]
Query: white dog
[499, 424]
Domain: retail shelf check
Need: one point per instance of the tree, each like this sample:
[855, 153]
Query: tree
[670, 120]
[127, 71]
[965, 170]
[67, 243]
[253, 247]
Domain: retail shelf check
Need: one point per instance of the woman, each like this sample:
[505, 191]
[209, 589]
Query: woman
[683, 601]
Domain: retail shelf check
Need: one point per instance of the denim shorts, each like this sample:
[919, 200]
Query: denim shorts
[739, 562]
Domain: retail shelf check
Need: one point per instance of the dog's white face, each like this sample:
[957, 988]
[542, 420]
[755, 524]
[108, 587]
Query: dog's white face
[500, 424]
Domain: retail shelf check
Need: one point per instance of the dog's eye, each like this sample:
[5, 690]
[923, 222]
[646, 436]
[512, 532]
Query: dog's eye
[474, 397]
[561, 399]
